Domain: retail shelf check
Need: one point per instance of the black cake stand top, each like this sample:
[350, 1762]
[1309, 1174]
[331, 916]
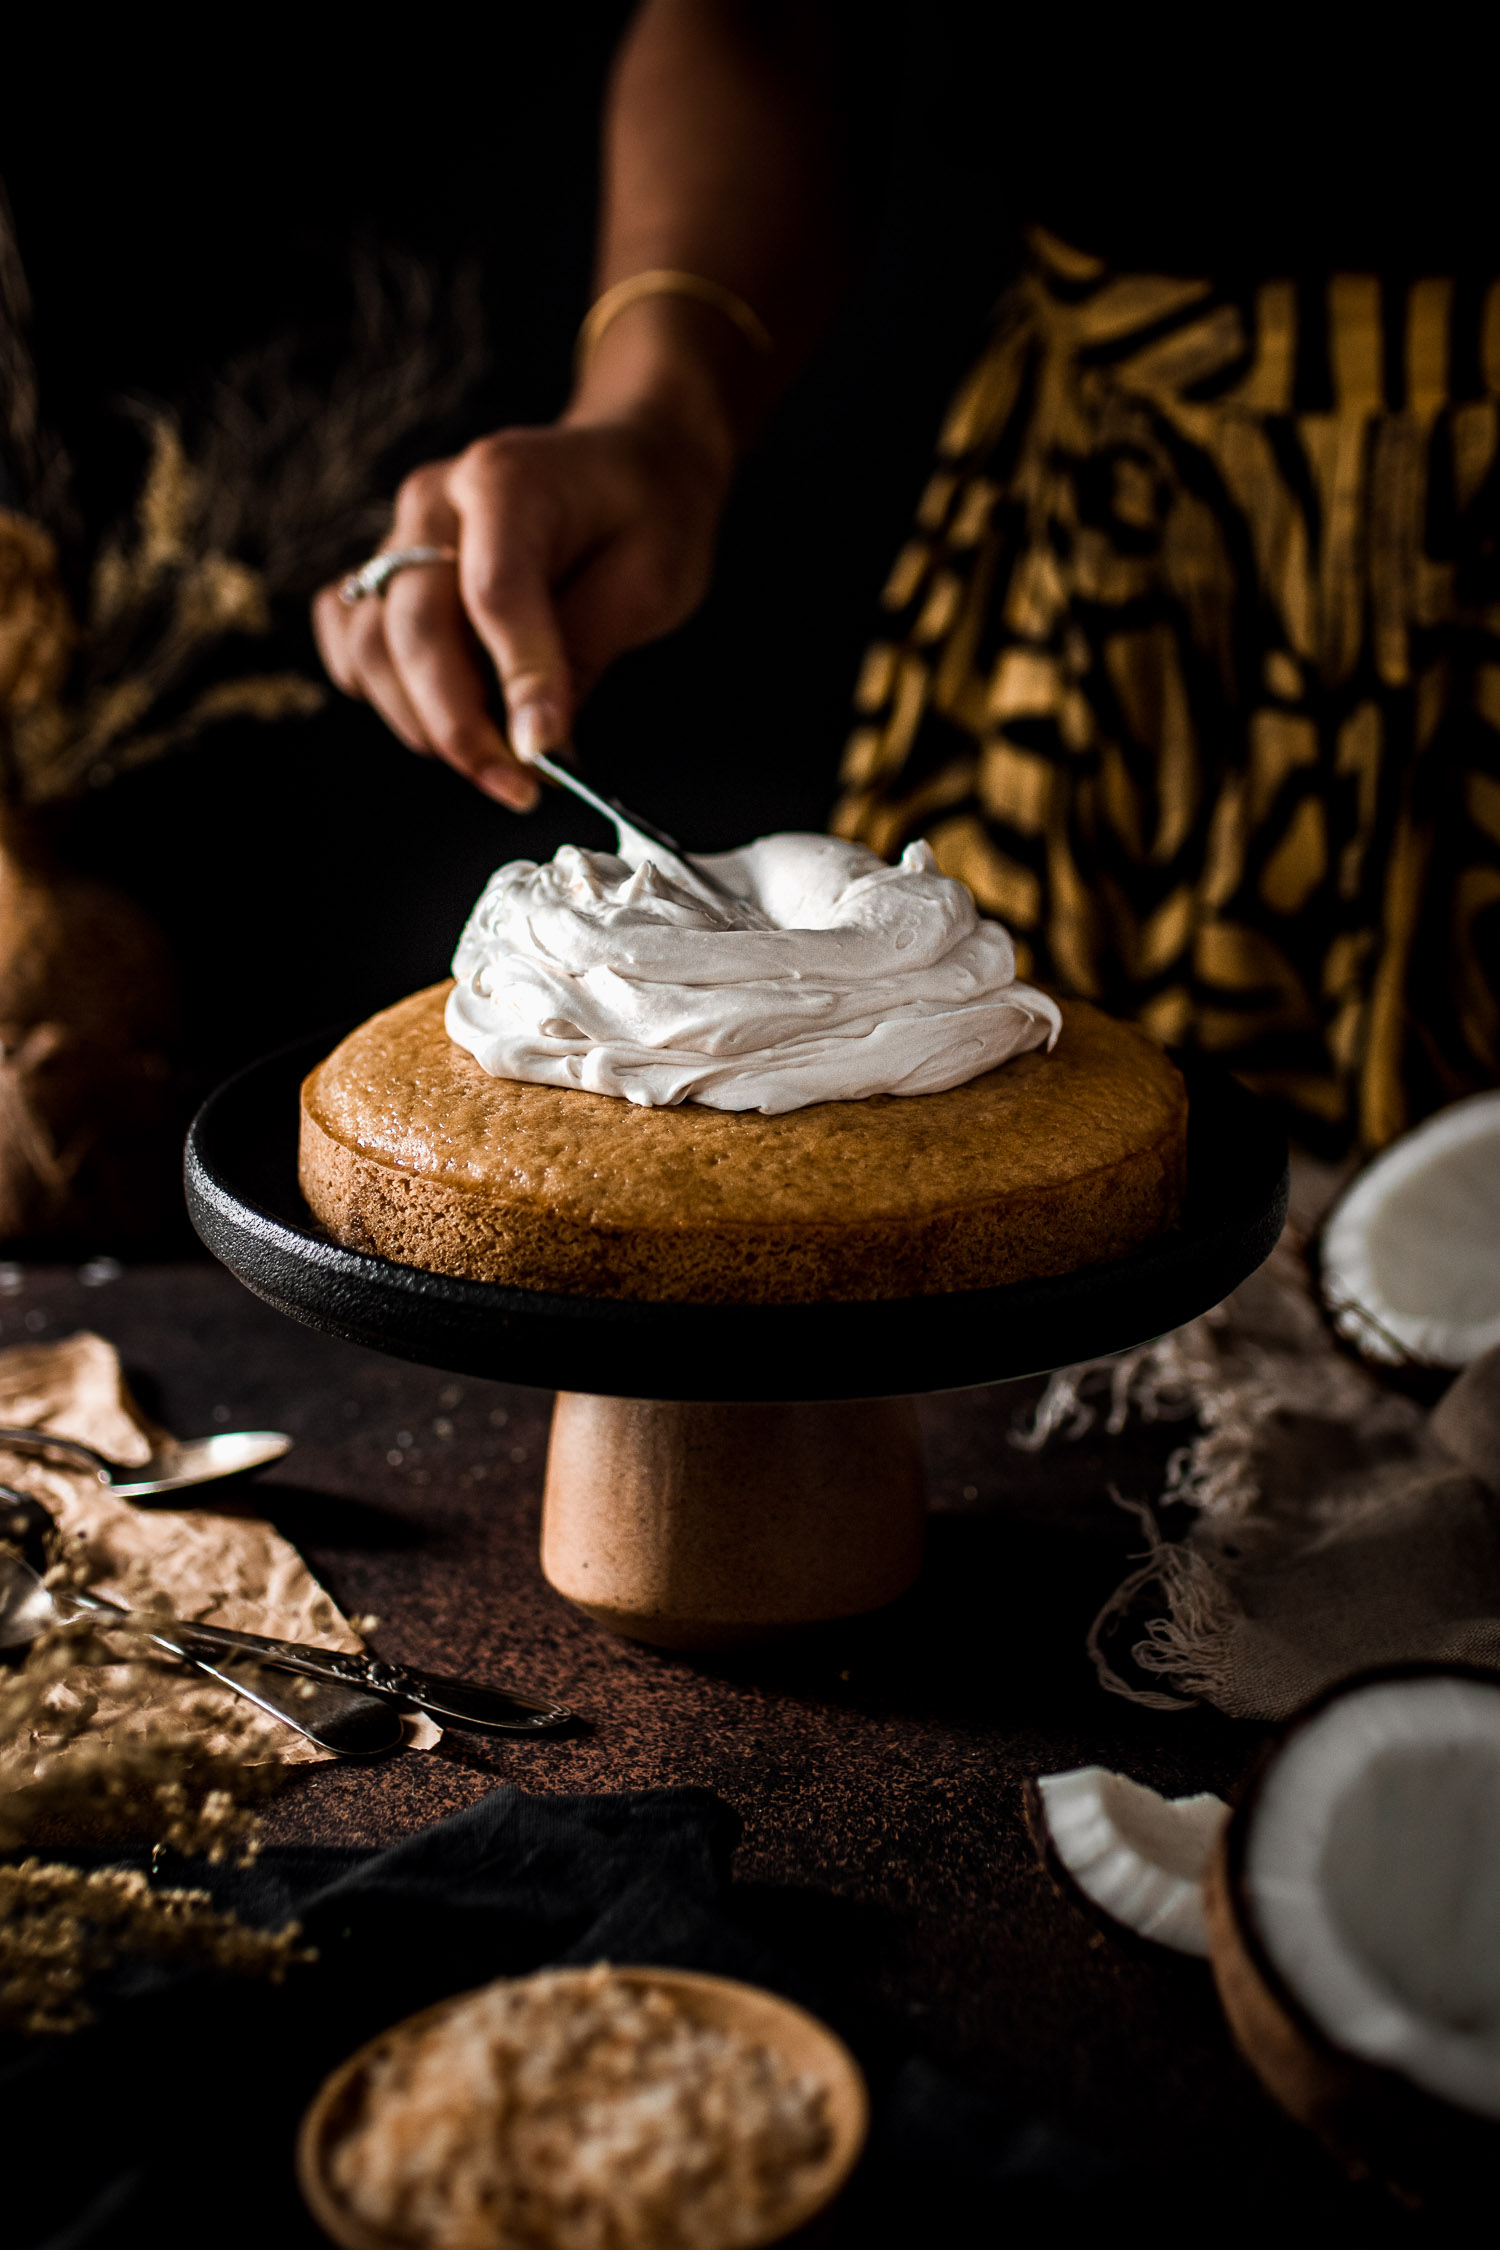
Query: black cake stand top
[242, 1192]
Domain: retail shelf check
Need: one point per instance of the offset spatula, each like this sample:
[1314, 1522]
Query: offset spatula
[749, 917]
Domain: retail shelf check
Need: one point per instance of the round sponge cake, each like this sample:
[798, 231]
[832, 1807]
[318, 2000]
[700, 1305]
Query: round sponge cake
[1050, 1163]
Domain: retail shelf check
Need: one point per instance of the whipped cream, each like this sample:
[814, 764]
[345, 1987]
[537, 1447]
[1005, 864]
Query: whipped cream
[624, 974]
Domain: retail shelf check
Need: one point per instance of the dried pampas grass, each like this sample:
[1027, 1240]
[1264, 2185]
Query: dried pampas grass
[278, 489]
[118, 650]
[61, 1926]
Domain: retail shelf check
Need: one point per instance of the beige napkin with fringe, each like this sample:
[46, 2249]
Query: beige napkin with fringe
[1336, 1524]
[214, 1564]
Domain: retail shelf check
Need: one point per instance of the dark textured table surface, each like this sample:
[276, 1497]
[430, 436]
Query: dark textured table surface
[882, 1770]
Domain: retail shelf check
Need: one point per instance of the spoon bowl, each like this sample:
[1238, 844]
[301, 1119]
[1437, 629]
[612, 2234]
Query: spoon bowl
[202, 1460]
[175, 1466]
[26, 1605]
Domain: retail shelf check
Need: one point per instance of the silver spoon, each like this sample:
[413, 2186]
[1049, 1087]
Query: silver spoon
[336, 1716]
[28, 1606]
[625, 821]
[178, 1464]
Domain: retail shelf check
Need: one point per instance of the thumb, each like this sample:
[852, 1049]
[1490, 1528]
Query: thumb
[519, 628]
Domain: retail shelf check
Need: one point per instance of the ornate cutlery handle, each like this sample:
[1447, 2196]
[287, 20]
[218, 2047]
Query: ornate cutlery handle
[463, 1703]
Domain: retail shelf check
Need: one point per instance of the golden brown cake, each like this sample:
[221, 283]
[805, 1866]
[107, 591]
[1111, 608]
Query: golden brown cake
[1047, 1164]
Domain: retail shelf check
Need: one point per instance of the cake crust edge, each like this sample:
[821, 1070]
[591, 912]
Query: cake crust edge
[1030, 1234]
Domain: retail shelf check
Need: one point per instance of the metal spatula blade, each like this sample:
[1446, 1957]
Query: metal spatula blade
[623, 818]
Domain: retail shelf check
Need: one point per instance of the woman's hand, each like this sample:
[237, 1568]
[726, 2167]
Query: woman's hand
[580, 541]
[574, 543]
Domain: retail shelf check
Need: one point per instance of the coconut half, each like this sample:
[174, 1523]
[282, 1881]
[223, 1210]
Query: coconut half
[1410, 1257]
[1354, 1911]
[1141, 1858]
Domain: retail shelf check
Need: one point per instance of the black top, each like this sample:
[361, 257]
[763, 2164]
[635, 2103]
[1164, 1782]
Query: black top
[1226, 143]
[174, 212]
[174, 209]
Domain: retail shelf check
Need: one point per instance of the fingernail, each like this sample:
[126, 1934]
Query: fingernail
[509, 787]
[534, 730]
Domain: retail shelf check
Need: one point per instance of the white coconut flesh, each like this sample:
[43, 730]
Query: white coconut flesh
[1411, 1254]
[1140, 1857]
[1372, 1874]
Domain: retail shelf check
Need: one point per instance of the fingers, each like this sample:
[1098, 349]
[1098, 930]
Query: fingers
[574, 545]
[514, 547]
[352, 646]
[433, 652]
[440, 670]
[410, 653]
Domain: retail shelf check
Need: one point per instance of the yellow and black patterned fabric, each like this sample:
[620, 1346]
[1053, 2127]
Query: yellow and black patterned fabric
[1191, 670]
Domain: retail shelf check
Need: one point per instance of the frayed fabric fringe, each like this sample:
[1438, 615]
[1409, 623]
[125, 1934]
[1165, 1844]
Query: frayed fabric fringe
[1190, 1643]
[1330, 1529]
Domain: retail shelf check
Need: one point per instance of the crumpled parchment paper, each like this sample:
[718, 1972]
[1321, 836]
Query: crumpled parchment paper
[214, 1564]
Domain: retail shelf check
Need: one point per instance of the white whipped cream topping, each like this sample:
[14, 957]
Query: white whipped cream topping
[626, 975]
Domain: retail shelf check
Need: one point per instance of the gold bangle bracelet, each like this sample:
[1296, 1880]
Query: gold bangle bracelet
[664, 281]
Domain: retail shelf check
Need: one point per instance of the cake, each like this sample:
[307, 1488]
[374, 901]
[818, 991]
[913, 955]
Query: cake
[1046, 1164]
[817, 1080]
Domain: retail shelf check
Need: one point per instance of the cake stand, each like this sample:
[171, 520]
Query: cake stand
[722, 1473]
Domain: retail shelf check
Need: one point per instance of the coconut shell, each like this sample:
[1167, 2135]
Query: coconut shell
[1415, 1378]
[1375, 2122]
[1064, 1888]
[88, 1140]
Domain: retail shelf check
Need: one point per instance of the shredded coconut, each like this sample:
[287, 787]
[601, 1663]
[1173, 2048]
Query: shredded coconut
[579, 2112]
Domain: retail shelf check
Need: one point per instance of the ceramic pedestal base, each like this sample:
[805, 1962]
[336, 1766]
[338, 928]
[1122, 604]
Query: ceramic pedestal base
[710, 1526]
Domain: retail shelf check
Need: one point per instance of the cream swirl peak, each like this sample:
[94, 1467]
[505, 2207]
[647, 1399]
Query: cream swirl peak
[623, 975]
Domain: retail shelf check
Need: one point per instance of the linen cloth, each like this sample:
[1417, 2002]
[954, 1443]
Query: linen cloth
[1333, 1523]
[214, 1563]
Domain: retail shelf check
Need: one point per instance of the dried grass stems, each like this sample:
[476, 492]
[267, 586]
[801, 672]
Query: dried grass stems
[61, 1926]
[276, 490]
[32, 455]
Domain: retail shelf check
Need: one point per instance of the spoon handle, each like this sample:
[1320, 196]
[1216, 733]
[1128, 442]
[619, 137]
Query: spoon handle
[462, 1703]
[71, 1449]
[335, 1714]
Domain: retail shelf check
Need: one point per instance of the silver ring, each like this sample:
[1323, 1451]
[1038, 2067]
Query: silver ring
[374, 576]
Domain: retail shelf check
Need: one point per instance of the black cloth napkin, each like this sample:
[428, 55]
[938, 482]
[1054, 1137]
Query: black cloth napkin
[173, 2117]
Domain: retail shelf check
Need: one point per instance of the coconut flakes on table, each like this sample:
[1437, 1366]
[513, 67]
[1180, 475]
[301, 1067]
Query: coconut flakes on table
[578, 2113]
[1140, 1857]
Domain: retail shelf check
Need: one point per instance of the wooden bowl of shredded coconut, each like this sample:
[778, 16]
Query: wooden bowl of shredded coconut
[586, 2109]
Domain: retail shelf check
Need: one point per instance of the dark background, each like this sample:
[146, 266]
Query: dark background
[184, 196]
[310, 872]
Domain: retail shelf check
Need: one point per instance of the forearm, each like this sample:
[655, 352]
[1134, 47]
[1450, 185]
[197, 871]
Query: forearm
[719, 160]
[577, 542]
